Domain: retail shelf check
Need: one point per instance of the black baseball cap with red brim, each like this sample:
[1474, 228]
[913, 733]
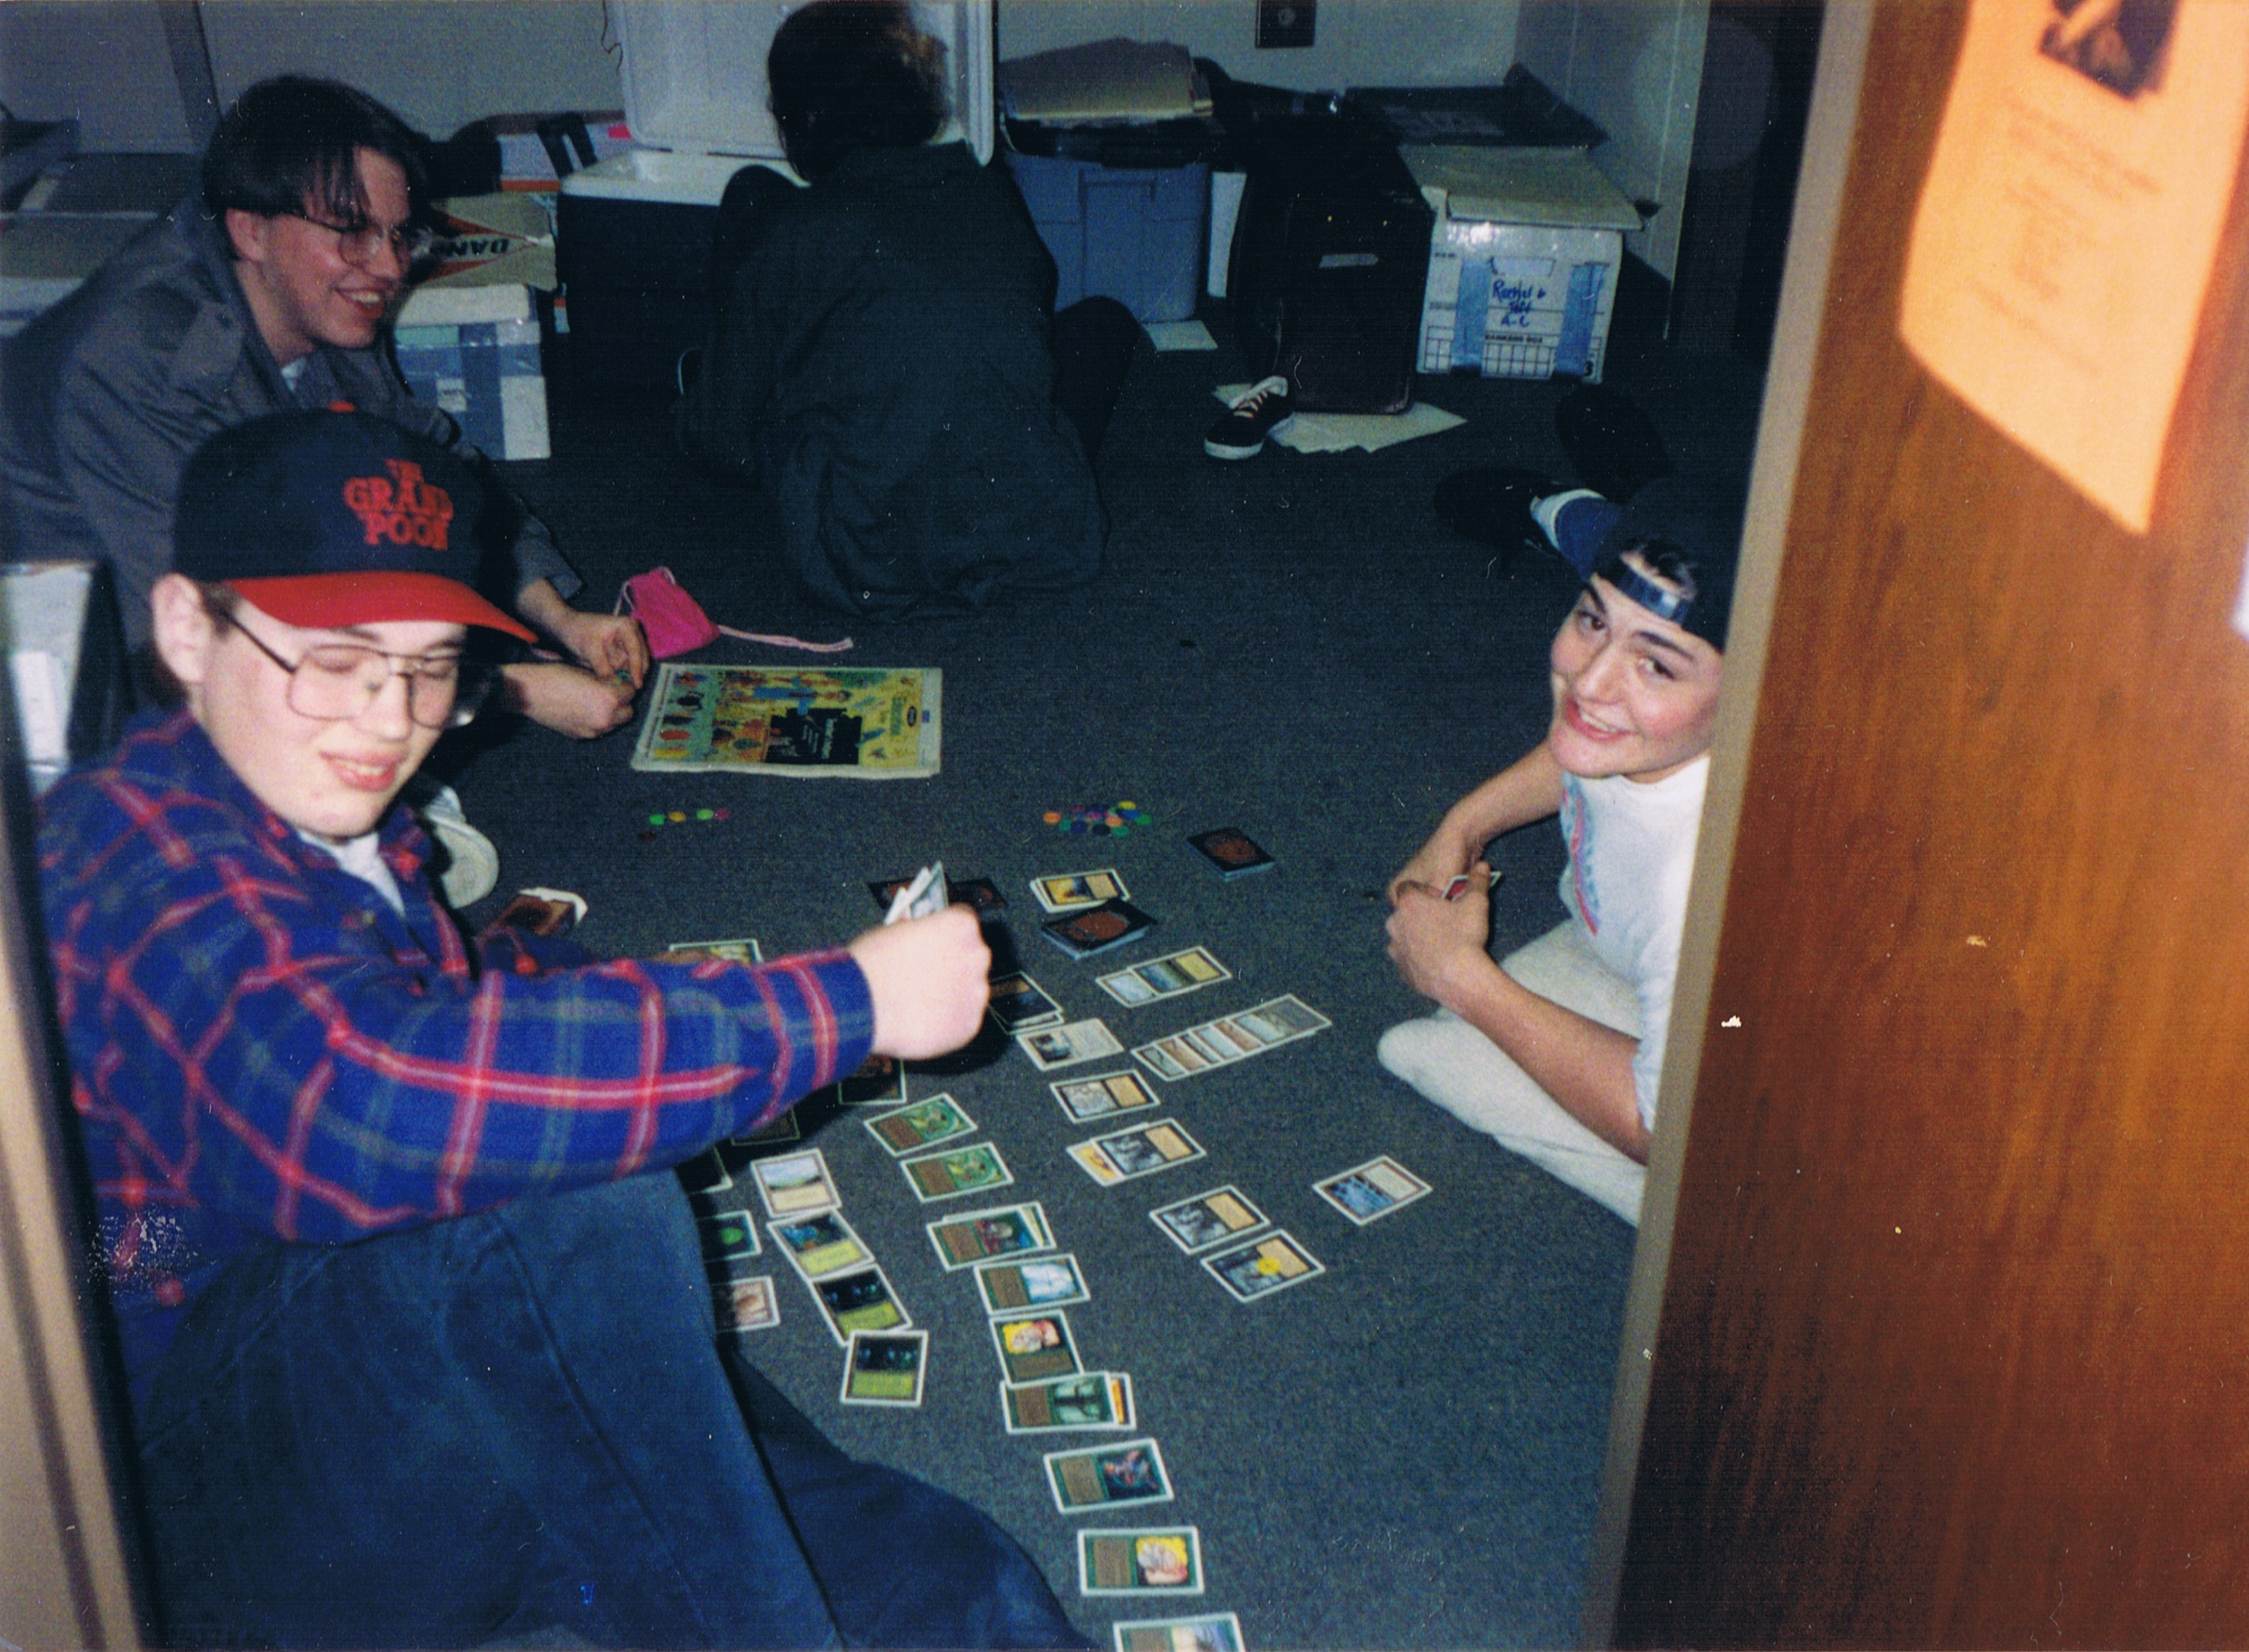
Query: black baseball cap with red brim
[335, 518]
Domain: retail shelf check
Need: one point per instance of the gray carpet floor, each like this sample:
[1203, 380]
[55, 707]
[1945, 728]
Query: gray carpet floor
[1405, 1450]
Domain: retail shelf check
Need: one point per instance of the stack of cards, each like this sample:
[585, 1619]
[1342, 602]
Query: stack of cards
[1099, 1095]
[1066, 1045]
[1074, 891]
[1230, 849]
[1142, 1151]
[1019, 1005]
[1230, 1038]
[1097, 929]
[1165, 977]
[1088, 1400]
[880, 1080]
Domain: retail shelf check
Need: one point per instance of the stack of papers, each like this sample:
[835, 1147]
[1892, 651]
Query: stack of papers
[1103, 82]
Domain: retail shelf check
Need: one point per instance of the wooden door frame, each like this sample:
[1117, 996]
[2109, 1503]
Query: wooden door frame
[1772, 486]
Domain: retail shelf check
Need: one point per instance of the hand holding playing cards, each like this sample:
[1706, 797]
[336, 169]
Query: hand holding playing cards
[1436, 864]
[928, 977]
[1436, 943]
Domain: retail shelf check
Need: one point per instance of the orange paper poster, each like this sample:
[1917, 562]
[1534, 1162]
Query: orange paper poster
[2066, 230]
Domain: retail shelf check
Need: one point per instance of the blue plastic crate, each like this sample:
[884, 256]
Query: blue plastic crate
[1131, 233]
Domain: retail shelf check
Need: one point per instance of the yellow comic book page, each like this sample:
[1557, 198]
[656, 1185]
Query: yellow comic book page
[810, 722]
[2069, 223]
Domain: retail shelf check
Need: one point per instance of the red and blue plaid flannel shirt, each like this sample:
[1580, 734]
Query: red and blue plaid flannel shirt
[261, 1049]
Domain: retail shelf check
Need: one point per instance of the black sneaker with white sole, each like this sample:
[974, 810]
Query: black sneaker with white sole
[1265, 409]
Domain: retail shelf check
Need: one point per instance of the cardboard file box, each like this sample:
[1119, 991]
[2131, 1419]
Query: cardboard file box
[474, 351]
[635, 232]
[1523, 261]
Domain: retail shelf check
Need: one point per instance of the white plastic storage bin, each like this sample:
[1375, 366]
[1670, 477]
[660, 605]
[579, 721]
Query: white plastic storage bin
[635, 232]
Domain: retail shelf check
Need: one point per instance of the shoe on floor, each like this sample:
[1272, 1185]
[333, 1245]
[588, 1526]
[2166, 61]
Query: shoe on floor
[1265, 409]
[1492, 507]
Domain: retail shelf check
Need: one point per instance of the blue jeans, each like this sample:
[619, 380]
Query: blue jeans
[516, 1423]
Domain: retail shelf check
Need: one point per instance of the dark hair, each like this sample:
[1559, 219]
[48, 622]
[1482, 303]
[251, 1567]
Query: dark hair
[292, 142]
[853, 74]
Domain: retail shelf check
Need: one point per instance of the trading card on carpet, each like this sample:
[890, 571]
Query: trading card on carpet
[1152, 1561]
[861, 1301]
[1208, 1220]
[1060, 1405]
[794, 1184]
[980, 894]
[1217, 1632]
[772, 1134]
[1020, 1003]
[1102, 1094]
[1032, 1346]
[752, 1303]
[1278, 1020]
[925, 895]
[951, 1172]
[820, 1244]
[1262, 1265]
[885, 1367]
[728, 1235]
[1169, 976]
[1074, 891]
[1367, 1192]
[1231, 851]
[1142, 1151]
[704, 1174]
[920, 1124]
[743, 949]
[543, 912]
[981, 1235]
[1160, 1060]
[1049, 1282]
[1098, 928]
[1124, 1475]
[1065, 1046]
[879, 1081]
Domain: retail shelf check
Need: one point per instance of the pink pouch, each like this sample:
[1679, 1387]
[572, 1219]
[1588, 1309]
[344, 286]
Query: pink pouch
[675, 623]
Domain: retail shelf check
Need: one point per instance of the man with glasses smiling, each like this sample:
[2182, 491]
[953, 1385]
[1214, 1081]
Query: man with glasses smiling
[271, 289]
[418, 1351]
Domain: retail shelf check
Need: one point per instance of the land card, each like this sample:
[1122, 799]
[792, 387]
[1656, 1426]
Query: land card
[1065, 1046]
[1097, 929]
[1160, 1061]
[1260, 1266]
[1047, 1282]
[728, 1235]
[808, 722]
[1172, 975]
[1074, 891]
[1164, 1560]
[1019, 1004]
[1368, 1192]
[1126, 1474]
[752, 1303]
[858, 1301]
[1232, 851]
[795, 1184]
[885, 1367]
[920, 1124]
[1064, 1405]
[879, 1081]
[1102, 1094]
[1033, 1346]
[1208, 1220]
[743, 949]
[1215, 1632]
[1278, 1020]
[951, 1172]
[982, 1235]
[820, 1244]
[1123, 1155]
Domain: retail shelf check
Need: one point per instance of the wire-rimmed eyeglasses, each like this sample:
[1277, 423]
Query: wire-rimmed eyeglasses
[334, 682]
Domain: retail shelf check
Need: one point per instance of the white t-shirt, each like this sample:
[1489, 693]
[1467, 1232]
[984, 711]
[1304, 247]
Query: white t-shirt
[1631, 852]
[362, 858]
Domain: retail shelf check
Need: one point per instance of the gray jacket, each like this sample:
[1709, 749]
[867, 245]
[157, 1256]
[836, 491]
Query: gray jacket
[103, 398]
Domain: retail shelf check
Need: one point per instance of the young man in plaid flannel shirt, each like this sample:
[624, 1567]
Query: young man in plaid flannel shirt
[419, 1353]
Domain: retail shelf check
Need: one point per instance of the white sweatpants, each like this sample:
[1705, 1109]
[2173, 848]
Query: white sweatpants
[1467, 1075]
